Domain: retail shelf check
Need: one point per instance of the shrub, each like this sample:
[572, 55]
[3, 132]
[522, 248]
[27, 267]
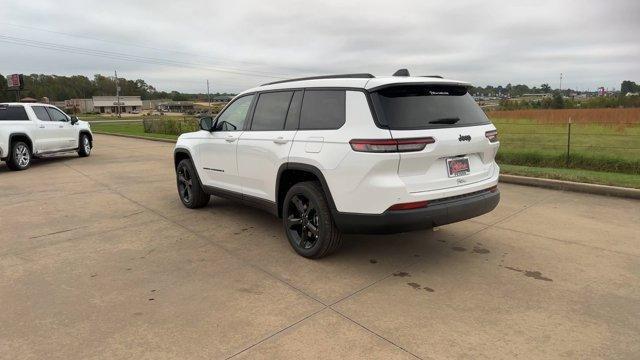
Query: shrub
[170, 126]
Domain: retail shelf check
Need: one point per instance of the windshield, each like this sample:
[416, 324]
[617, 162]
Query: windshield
[409, 107]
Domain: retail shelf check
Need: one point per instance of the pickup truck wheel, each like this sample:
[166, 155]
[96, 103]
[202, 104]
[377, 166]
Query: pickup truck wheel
[308, 223]
[84, 147]
[190, 191]
[20, 158]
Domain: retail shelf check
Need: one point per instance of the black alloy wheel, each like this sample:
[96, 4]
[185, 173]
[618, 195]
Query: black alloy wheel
[308, 222]
[191, 192]
[302, 221]
[185, 184]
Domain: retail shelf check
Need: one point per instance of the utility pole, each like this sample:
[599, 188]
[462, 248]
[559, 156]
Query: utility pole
[561, 82]
[117, 93]
[208, 95]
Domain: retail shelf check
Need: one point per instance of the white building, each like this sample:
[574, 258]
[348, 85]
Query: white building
[109, 104]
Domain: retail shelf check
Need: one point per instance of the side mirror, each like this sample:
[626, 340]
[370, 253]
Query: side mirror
[206, 123]
[74, 120]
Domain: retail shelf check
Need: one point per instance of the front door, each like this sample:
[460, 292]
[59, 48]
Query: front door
[67, 137]
[217, 161]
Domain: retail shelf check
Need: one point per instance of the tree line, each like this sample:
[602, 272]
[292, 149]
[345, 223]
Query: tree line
[510, 90]
[557, 101]
[59, 88]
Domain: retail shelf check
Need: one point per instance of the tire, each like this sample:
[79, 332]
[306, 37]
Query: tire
[84, 146]
[20, 156]
[190, 190]
[305, 208]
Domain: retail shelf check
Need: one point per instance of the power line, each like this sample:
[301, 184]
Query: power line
[137, 45]
[132, 58]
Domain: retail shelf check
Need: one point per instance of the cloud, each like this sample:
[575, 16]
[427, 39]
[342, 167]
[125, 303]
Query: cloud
[178, 45]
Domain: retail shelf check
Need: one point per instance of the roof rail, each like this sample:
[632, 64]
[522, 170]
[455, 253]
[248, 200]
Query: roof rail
[342, 76]
[433, 76]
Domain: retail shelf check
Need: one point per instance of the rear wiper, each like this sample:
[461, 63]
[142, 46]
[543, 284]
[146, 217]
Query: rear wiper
[448, 121]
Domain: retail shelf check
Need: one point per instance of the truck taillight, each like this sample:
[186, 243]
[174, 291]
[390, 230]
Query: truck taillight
[492, 135]
[390, 145]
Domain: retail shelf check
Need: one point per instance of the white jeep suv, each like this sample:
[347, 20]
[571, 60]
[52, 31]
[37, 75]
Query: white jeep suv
[346, 154]
[28, 130]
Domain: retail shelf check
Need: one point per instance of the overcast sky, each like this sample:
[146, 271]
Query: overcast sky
[177, 45]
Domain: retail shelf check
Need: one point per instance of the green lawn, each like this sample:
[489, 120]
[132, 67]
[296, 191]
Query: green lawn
[577, 175]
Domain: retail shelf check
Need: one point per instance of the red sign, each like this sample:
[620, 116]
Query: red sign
[15, 82]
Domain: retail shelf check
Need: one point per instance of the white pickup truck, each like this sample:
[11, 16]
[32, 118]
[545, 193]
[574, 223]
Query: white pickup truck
[31, 130]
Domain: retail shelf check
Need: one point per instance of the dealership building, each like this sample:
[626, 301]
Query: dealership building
[104, 104]
[109, 104]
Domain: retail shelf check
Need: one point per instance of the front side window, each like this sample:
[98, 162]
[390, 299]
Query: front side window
[271, 111]
[57, 115]
[322, 110]
[412, 107]
[41, 113]
[234, 116]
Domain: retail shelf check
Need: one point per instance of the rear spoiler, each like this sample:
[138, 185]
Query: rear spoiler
[426, 82]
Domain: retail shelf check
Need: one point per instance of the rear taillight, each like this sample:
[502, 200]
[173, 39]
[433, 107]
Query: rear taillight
[492, 135]
[409, 206]
[390, 145]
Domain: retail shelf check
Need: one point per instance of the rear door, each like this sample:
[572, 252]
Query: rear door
[461, 154]
[46, 132]
[267, 142]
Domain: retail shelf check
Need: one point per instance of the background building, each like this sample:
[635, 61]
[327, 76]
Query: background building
[79, 106]
[109, 104]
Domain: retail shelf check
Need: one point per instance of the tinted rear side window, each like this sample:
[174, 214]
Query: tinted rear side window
[426, 107]
[271, 111]
[322, 110]
[41, 113]
[12, 112]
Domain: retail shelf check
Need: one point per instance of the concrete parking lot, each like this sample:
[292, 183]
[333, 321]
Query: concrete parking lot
[99, 259]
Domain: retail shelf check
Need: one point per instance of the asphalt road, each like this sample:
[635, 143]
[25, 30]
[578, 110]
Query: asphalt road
[99, 259]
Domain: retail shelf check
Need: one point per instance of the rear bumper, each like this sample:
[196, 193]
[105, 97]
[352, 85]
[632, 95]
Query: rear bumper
[438, 212]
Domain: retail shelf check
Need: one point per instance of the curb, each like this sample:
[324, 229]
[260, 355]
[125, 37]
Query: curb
[136, 137]
[572, 186]
[505, 178]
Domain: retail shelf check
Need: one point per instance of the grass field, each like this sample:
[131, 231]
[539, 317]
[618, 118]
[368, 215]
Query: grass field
[616, 116]
[592, 146]
[577, 175]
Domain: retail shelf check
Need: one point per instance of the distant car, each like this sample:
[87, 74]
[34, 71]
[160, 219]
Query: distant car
[135, 111]
[31, 130]
[346, 154]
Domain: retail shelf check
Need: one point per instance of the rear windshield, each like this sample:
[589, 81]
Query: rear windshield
[409, 107]
[12, 112]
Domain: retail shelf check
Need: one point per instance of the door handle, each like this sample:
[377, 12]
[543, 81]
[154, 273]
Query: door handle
[280, 140]
[230, 138]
